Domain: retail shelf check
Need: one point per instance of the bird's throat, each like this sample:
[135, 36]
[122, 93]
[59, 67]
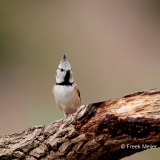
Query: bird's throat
[66, 80]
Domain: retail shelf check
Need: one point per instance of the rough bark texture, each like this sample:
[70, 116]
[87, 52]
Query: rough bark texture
[95, 131]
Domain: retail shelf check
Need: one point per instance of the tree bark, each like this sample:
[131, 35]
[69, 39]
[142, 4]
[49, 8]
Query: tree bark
[107, 130]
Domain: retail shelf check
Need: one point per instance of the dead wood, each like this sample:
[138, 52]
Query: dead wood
[95, 131]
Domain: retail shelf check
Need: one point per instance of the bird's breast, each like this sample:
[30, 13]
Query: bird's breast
[66, 98]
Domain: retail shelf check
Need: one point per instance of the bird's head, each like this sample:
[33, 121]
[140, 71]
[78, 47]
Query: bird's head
[64, 72]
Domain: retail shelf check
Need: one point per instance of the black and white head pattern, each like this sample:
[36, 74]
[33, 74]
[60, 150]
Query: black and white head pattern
[64, 75]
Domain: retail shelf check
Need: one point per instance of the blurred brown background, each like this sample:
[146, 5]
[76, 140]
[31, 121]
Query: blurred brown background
[113, 47]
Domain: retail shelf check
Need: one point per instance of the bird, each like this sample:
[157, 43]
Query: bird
[65, 91]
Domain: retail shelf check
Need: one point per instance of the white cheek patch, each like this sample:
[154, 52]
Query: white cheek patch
[60, 76]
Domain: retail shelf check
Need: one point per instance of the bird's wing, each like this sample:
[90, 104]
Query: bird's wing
[77, 91]
[53, 90]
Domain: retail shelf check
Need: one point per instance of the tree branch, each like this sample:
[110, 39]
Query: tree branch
[95, 131]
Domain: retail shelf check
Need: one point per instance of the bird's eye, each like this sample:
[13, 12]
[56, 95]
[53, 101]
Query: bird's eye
[62, 69]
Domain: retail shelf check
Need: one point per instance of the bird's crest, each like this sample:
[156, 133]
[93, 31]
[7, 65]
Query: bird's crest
[64, 64]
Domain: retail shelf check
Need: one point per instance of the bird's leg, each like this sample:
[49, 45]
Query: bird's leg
[65, 115]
